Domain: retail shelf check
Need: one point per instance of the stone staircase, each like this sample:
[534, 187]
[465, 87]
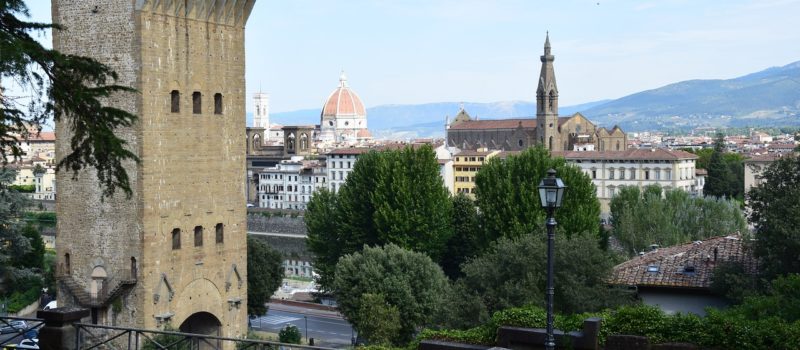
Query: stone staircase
[112, 288]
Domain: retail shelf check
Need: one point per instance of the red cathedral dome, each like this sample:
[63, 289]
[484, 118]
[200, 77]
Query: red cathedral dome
[343, 102]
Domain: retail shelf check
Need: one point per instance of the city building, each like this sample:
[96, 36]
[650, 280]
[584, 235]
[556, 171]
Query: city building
[261, 112]
[465, 165]
[556, 133]
[610, 170]
[174, 252]
[339, 163]
[754, 167]
[290, 183]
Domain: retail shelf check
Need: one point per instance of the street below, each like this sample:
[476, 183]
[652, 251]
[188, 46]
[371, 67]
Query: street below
[325, 328]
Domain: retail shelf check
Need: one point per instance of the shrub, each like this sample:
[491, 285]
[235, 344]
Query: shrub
[290, 335]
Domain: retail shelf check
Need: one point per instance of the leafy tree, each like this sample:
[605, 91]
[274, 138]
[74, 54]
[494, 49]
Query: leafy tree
[323, 235]
[507, 193]
[467, 240]
[380, 322]
[734, 282]
[408, 281]
[781, 300]
[775, 214]
[13, 242]
[264, 275]
[290, 335]
[68, 88]
[34, 258]
[393, 196]
[513, 273]
[725, 171]
[641, 219]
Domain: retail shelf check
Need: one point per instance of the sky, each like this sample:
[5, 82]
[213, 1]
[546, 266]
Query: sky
[420, 51]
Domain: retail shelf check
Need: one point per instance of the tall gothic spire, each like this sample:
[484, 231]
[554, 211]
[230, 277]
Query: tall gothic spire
[547, 91]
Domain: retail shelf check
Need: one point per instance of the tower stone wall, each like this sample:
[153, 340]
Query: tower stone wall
[189, 184]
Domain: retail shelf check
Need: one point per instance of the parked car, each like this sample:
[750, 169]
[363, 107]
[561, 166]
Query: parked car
[12, 326]
[50, 305]
[250, 205]
[24, 344]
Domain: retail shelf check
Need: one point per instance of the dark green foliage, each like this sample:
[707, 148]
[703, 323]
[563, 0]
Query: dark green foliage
[731, 280]
[379, 321]
[264, 275]
[23, 188]
[467, 240]
[513, 273]
[393, 196]
[33, 258]
[725, 172]
[408, 281]
[718, 330]
[70, 90]
[167, 341]
[775, 213]
[15, 242]
[782, 300]
[641, 219]
[290, 335]
[507, 193]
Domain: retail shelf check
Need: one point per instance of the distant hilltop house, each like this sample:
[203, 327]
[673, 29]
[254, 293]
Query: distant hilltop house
[678, 278]
[556, 133]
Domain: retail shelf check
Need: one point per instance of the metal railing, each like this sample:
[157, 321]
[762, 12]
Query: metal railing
[15, 333]
[91, 336]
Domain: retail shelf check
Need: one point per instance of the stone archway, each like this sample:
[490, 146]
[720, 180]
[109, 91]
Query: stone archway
[203, 323]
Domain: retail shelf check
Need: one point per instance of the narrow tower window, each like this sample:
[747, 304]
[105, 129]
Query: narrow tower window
[176, 238]
[220, 233]
[197, 102]
[198, 236]
[175, 98]
[218, 103]
[67, 266]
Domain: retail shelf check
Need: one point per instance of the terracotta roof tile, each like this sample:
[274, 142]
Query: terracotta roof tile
[667, 267]
[493, 124]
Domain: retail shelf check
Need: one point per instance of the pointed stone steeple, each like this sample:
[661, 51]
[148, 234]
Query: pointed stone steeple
[547, 91]
[547, 101]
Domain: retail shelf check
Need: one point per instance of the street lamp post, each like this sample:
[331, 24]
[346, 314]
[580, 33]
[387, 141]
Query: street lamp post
[551, 192]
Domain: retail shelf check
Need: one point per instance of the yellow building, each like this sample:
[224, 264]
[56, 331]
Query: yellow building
[465, 165]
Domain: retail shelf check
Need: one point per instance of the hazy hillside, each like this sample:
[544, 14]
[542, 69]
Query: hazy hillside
[766, 98]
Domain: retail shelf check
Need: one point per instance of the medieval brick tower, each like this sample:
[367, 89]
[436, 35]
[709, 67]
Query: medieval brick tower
[547, 102]
[175, 252]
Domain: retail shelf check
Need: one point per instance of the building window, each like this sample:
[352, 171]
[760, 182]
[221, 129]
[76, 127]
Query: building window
[175, 101]
[622, 174]
[633, 174]
[611, 174]
[647, 174]
[658, 174]
[594, 174]
[198, 236]
[220, 233]
[667, 175]
[197, 105]
[218, 103]
[176, 238]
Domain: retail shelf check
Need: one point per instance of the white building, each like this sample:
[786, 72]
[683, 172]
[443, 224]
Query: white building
[290, 184]
[610, 170]
[261, 112]
[339, 163]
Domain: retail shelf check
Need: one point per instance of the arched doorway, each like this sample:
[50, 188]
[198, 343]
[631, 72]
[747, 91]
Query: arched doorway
[203, 323]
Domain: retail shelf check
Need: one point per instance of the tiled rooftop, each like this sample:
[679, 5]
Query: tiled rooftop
[672, 266]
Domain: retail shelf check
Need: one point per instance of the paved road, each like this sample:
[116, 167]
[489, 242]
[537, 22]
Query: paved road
[324, 328]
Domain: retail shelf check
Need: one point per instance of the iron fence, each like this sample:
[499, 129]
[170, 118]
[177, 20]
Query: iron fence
[15, 329]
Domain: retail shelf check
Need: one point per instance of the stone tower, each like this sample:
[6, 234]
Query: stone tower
[547, 102]
[175, 252]
[261, 115]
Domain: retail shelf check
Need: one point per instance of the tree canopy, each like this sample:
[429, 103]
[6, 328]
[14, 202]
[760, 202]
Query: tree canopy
[393, 196]
[508, 196]
[642, 218]
[775, 214]
[513, 273]
[725, 171]
[264, 275]
[68, 88]
[408, 281]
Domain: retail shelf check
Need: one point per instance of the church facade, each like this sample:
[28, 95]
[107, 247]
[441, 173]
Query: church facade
[554, 132]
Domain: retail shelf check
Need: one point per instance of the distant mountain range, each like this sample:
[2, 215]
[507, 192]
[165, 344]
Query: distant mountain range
[767, 98]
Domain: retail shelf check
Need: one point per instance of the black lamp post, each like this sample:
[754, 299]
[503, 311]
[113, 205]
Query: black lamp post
[551, 191]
